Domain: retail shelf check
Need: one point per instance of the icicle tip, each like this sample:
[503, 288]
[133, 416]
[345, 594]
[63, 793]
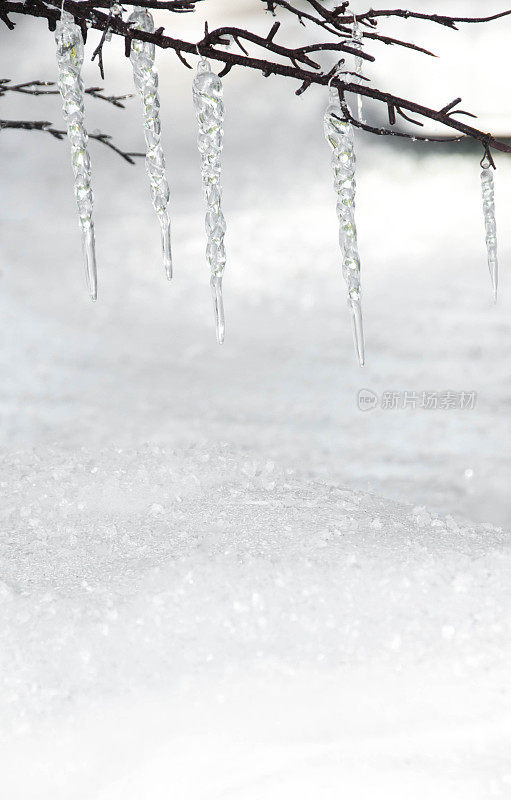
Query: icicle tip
[218, 307]
[166, 246]
[358, 331]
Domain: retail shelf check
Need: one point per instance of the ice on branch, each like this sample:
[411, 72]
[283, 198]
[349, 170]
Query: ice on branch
[69, 41]
[339, 134]
[207, 98]
[488, 189]
[145, 76]
[359, 64]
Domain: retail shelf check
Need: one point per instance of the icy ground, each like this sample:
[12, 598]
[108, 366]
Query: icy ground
[203, 592]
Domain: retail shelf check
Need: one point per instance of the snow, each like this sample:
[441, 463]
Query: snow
[200, 620]
[218, 577]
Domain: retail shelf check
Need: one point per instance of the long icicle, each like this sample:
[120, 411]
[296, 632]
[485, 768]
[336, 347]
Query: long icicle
[69, 41]
[207, 98]
[490, 224]
[145, 76]
[339, 134]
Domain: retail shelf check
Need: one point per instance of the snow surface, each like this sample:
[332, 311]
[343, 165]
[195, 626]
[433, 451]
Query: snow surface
[218, 578]
[197, 624]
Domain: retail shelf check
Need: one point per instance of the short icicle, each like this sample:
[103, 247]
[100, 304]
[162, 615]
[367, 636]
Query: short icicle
[488, 191]
[69, 41]
[207, 98]
[339, 134]
[145, 76]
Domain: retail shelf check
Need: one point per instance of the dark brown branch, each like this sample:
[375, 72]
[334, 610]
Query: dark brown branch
[336, 27]
[115, 100]
[47, 127]
[296, 54]
[87, 13]
[176, 6]
[385, 131]
[5, 19]
[400, 103]
[450, 105]
[99, 49]
[338, 20]
[32, 88]
[440, 19]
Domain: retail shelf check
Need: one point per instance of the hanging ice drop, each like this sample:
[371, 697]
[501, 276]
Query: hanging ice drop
[339, 134]
[145, 76]
[488, 190]
[207, 98]
[69, 41]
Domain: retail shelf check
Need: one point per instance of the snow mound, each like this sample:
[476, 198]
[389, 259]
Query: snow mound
[217, 623]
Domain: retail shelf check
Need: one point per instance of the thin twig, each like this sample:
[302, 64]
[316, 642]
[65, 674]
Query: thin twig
[47, 127]
[32, 88]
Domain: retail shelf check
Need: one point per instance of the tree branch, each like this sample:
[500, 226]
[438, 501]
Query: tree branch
[32, 88]
[47, 127]
[440, 19]
[294, 61]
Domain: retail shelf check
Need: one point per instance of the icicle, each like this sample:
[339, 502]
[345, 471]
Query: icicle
[207, 98]
[488, 189]
[145, 77]
[68, 37]
[359, 64]
[339, 134]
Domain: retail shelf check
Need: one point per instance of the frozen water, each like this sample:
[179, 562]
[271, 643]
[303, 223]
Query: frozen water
[70, 52]
[145, 76]
[339, 134]
[209, 108]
